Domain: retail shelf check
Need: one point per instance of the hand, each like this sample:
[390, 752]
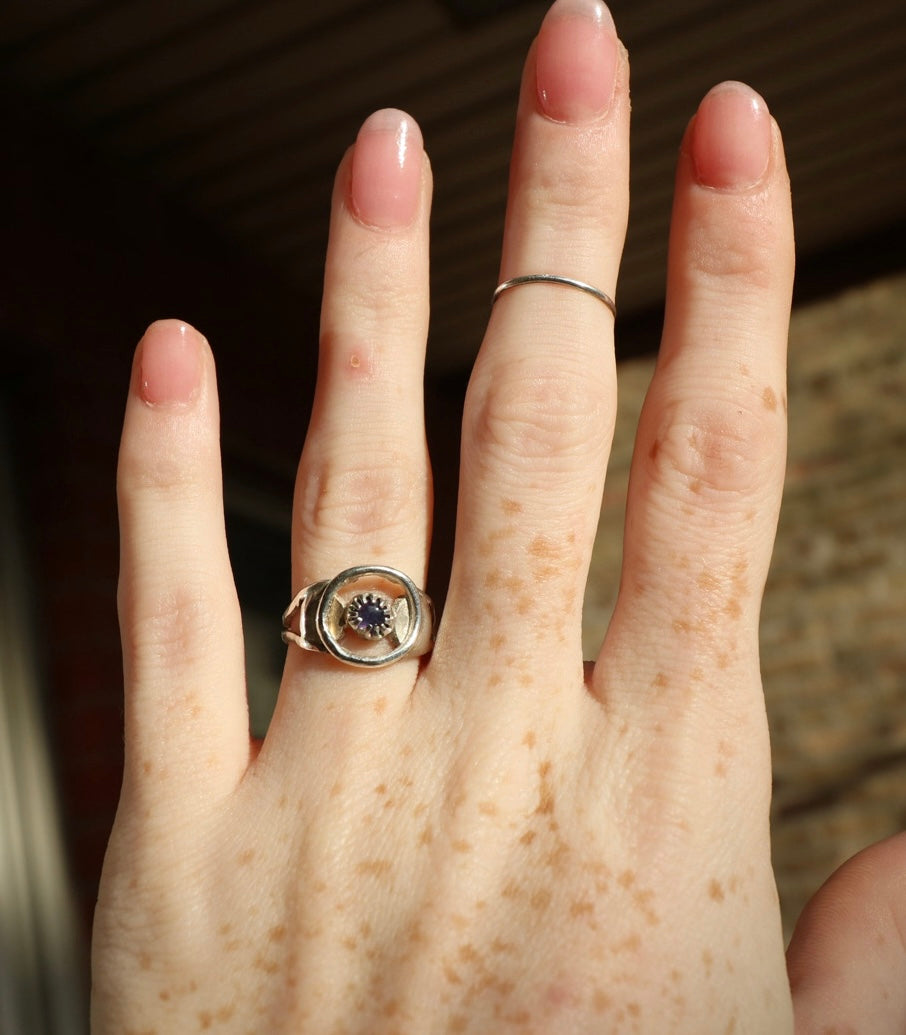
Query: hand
[493, 839]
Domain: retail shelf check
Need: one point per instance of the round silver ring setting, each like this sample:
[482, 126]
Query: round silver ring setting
[368, 615]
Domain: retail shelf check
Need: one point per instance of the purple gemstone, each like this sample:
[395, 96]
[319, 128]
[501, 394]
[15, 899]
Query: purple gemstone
[371, 616]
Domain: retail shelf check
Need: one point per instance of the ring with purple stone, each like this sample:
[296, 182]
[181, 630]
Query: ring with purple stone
[369, 615]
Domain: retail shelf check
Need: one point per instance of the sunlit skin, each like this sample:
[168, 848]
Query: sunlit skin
[496, 838]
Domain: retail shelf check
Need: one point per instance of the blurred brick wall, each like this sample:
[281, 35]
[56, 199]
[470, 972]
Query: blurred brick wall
[834, 619]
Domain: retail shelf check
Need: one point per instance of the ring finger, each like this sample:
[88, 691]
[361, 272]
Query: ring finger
[363, 487]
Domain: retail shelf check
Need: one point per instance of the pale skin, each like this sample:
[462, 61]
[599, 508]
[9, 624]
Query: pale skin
[495, 838]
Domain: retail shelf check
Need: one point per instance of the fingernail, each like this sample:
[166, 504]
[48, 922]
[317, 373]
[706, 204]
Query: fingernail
[170, 364]
[576, 61]
[386, 170]
[731, 138]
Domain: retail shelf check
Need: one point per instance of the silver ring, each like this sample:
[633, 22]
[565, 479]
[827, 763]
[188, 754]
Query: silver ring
[356, 620]
[553, 278]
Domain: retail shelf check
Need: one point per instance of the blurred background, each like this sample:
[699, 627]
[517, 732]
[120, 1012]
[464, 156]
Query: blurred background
[165, 158]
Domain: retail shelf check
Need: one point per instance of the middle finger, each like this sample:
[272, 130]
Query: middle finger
[541, 404]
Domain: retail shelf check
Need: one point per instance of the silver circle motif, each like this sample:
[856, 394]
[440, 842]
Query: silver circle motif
[357, 623]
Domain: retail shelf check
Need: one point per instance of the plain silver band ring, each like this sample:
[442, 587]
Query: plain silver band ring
[370, 628]
[553, 278]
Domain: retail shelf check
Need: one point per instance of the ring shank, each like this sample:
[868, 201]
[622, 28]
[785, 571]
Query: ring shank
[554, 278]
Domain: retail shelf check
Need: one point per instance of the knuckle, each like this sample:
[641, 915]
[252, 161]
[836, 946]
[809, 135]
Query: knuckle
[743, 251]
[546, 417]
[172, 630]
[709, 449]
[568, 197]
[166, 474]
[371, 497]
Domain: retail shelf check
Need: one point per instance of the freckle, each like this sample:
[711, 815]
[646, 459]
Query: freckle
[336, 789]
[675, 976]
[661, 681]
[487, 808]
[419, 809]
[526, 679]
[406, 750]
[277, 934]
[602, 1001]
[510, 890]
[147, 767]
[632, 943]
[500, 946]
[349, 943]
[319, 886]
[268, 966]
[144, 961]
[246, 857]
[469, 954]
[527, 837]
[511, 507]
[716, 891]
[723, 661]
[380, 705]
[495, 680]
[540, 899]
[381, 788]
[427, 836]
[581, 908]
[769, 399]
[497, 641]
[708, 961]
[529, 739]
[374, 867]
[205, 1019]
[493, 579]
[164, 996]
[225, 1013]
[458, 1023]
[633, 1009]
[733, 608]
[626, 879]
[451, 975]
[721, 770]
[461, 846]
[697, 675]
[708, 581]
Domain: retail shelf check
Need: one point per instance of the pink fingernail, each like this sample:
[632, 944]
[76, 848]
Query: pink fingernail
[170, 363]
[731, 138]
[576, 61]
[386, 170]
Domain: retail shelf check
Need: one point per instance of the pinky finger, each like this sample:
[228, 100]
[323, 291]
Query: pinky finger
[185, 708]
